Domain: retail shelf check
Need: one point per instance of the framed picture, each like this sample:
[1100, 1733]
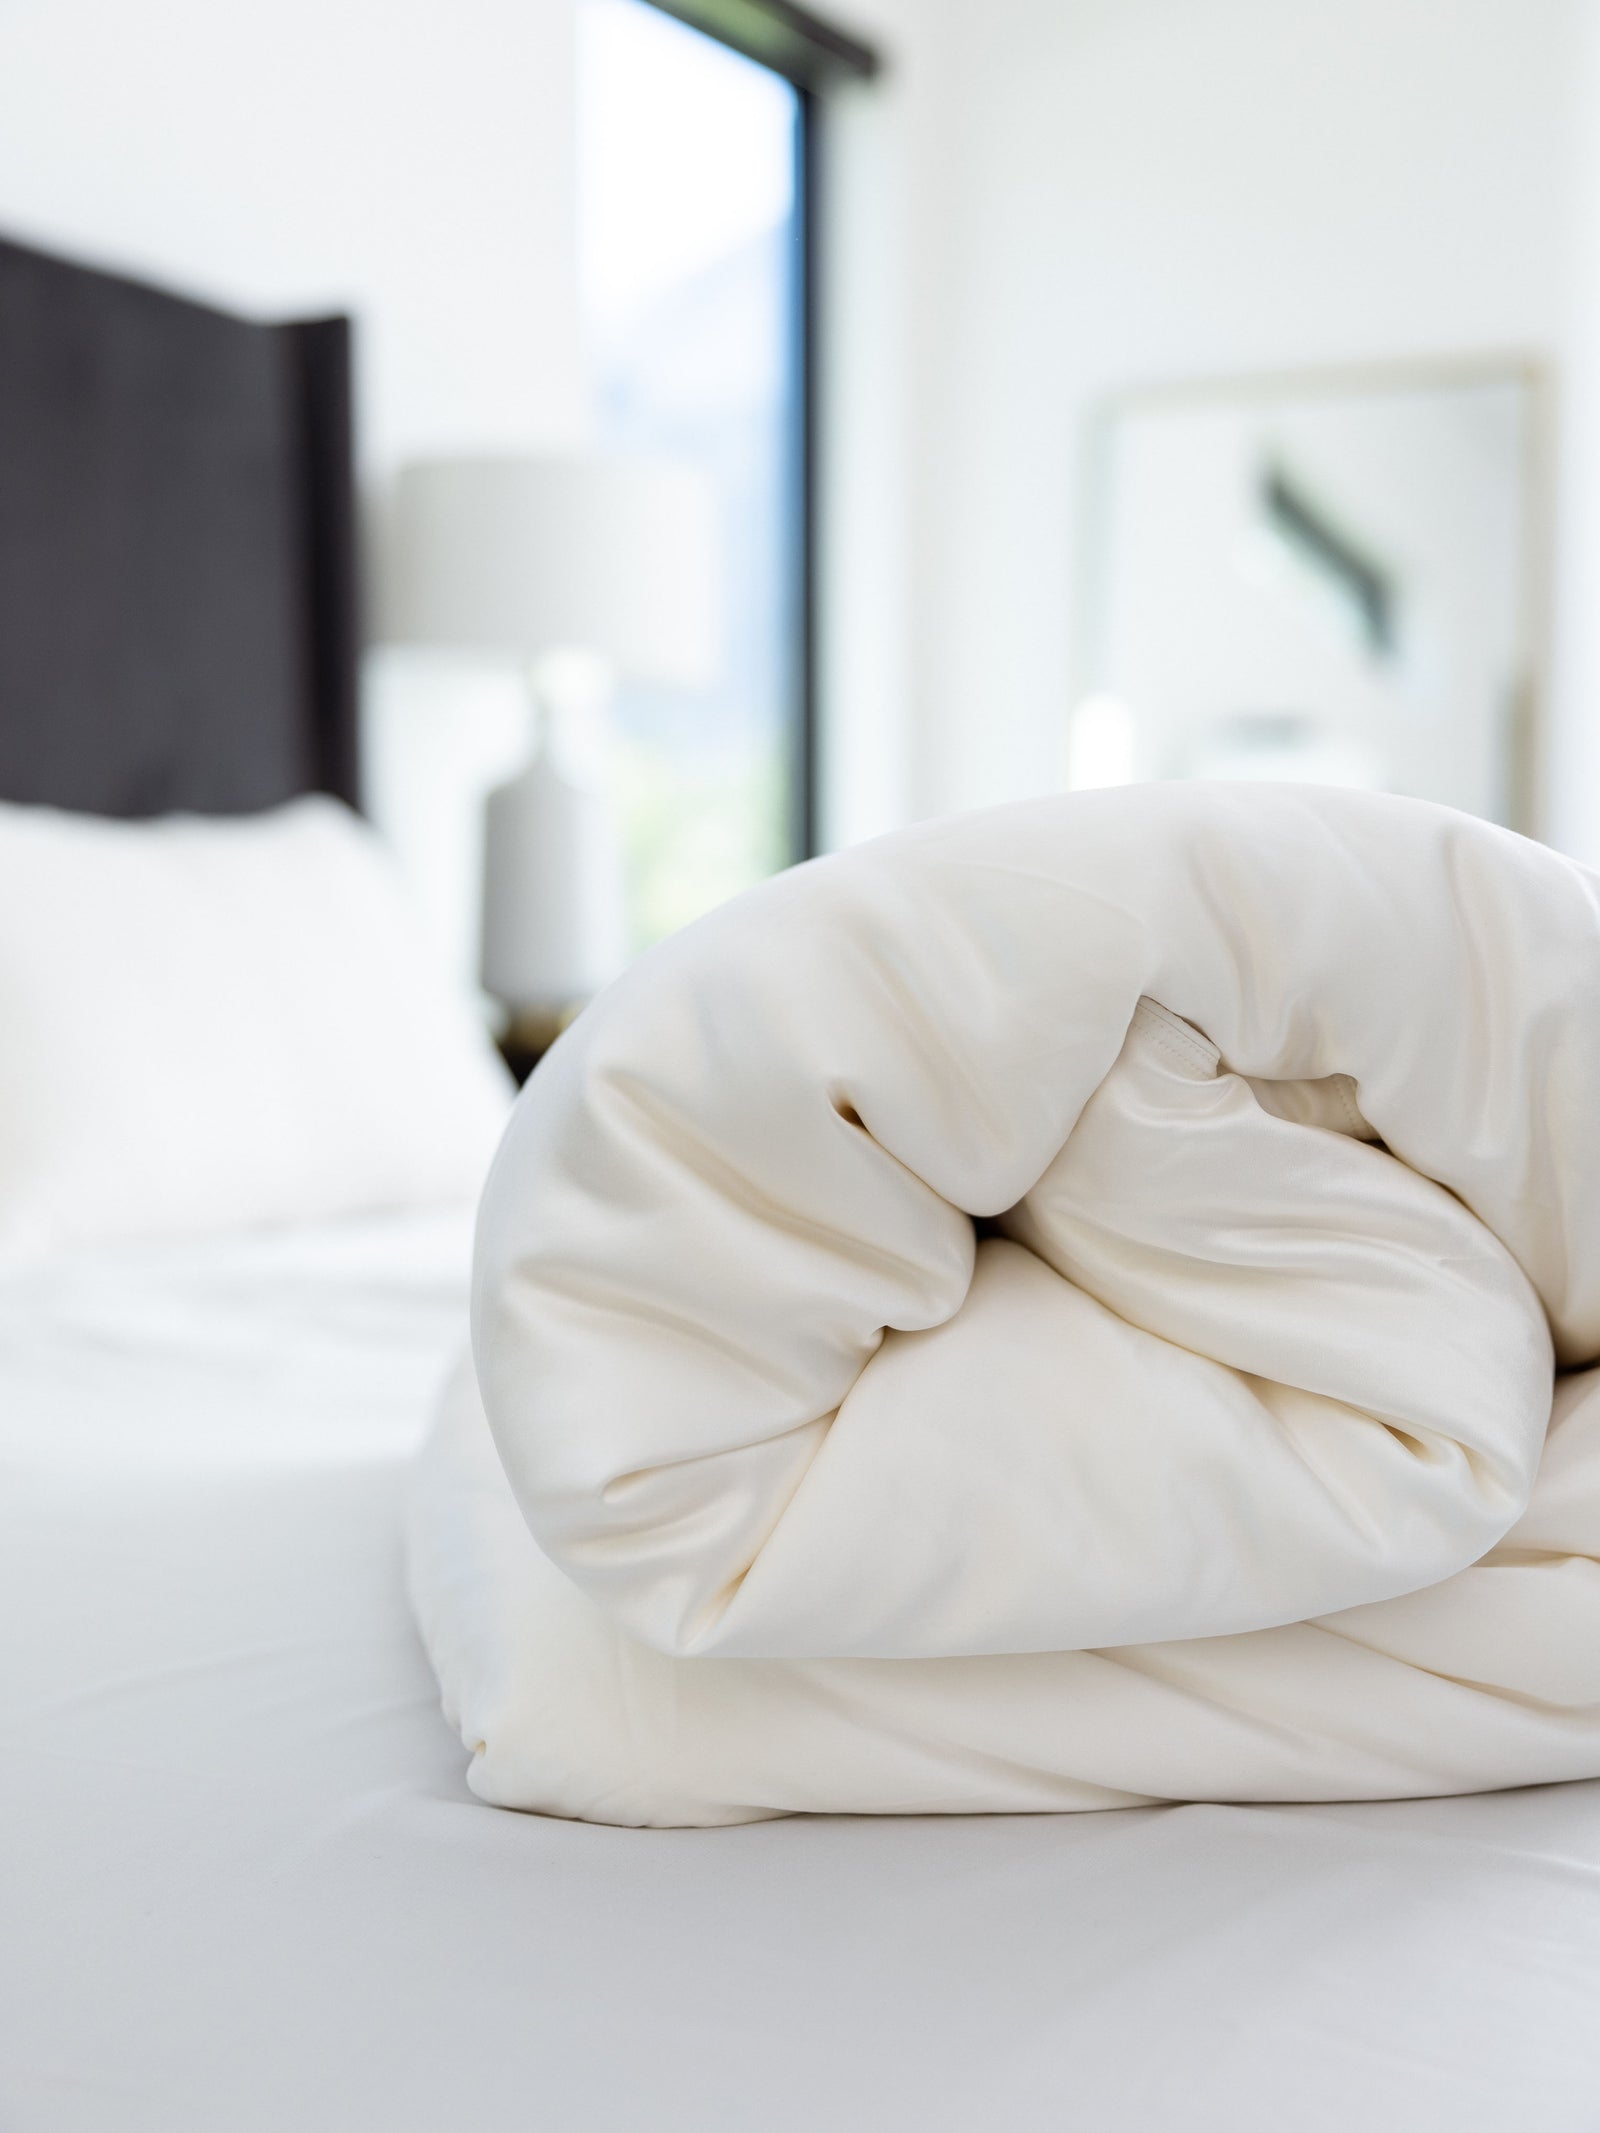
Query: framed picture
[1330, 577]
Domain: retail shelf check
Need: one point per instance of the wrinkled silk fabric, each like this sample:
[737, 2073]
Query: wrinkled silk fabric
[1086, 1302]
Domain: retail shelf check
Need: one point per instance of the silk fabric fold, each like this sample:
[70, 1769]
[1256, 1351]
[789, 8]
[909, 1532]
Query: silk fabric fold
[1085, 1302]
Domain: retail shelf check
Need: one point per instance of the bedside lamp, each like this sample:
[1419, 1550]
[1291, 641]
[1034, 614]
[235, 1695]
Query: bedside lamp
[585, 570]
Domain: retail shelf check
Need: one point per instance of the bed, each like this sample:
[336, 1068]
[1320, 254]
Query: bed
[242, 1881]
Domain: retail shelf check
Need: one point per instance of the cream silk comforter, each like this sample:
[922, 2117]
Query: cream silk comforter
[1049, 1310]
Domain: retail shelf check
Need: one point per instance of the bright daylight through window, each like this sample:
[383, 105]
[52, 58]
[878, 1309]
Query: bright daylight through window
[690, 262]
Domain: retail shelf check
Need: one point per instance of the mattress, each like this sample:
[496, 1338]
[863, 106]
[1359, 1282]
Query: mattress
[243, 1884]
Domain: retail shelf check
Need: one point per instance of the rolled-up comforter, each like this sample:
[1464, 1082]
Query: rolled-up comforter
[1085, 1303]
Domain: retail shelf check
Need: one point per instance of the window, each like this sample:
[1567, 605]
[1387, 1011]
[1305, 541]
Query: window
[694, 164]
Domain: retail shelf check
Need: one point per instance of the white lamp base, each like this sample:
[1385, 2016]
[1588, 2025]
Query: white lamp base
[554, 903]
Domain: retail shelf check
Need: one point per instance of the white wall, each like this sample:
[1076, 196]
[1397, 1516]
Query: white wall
[410, 160]
[1112, 191]
[889, 195]
[1573, 752]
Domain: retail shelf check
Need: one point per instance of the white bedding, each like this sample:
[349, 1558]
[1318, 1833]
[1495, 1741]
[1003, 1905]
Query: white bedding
[191, 1007]
[243, 1888]
[1059, 1308]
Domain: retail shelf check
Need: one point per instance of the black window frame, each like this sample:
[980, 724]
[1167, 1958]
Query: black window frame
[813, 56]
[802, 47]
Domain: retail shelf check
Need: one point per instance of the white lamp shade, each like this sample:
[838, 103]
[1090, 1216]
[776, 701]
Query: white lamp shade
[526, 556]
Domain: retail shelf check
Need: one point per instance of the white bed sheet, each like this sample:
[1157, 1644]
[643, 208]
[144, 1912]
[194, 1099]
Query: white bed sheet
[243, 1885]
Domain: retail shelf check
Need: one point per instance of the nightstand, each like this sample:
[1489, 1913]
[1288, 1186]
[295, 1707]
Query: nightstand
[529, 1034]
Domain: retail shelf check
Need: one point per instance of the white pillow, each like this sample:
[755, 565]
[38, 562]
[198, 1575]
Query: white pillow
[210, 1024]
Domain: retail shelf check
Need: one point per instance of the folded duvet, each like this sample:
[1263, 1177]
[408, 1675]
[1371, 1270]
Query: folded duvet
[1086, 1303]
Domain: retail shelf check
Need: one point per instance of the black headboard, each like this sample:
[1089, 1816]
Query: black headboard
[178, 622]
